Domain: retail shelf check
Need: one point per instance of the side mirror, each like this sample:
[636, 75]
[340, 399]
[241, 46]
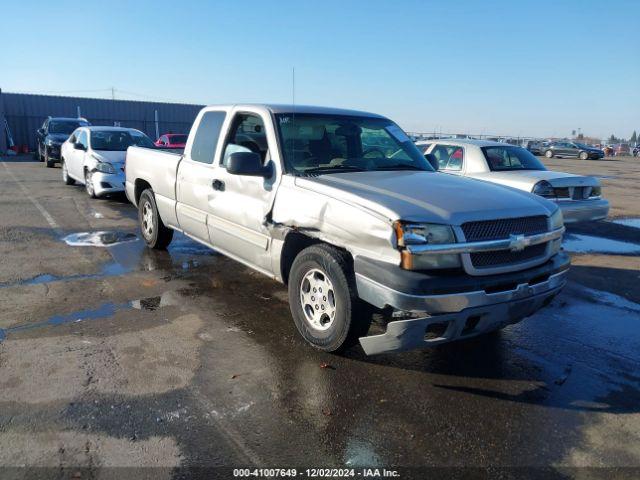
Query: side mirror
[79, 146]
[40, 131]
[431, 158]
[249, 164]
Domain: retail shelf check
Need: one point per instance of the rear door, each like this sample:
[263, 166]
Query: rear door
[196, 173]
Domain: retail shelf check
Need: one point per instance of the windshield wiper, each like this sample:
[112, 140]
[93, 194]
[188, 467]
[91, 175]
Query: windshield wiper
[400, 166]
[333, 169]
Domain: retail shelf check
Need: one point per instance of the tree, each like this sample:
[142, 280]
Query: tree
[612, 139]
[634, 138]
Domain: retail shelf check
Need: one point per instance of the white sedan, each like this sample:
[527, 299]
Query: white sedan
[94, 156]
[579, 197]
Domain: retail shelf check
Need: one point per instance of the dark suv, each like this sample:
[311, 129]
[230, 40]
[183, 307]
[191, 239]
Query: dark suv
[565, 148]
[52, 134]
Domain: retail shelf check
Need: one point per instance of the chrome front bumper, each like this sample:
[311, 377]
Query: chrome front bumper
[575, 211]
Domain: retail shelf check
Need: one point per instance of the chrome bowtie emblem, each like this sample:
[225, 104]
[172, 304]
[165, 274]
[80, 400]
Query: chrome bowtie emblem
[517, 243]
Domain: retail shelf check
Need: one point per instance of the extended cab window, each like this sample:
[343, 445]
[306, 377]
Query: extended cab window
[206, 138]
[246, 135]
[449, 157]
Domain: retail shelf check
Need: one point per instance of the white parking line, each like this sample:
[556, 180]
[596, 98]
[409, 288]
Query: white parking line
[47, 216]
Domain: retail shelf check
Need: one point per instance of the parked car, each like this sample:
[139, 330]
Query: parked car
[621, 149]
[172, 140]
[535, 147]
[636, 151]
[349, 227]
[608, 150]
[572, 149]
[50, 136]
[579, 197]
[94, 157]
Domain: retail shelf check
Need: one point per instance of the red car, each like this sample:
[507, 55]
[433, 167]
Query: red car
[621, 149]
[171, 140]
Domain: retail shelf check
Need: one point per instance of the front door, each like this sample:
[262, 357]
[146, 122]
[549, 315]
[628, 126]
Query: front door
[238, 209]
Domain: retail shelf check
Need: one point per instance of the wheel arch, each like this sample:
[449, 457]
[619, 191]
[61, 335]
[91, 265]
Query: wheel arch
[294, 243]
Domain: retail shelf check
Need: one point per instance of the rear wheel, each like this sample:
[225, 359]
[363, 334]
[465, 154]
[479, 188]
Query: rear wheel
[323, 300]
[548, 154]
[584, 156]
[156, 235]
[65, 173]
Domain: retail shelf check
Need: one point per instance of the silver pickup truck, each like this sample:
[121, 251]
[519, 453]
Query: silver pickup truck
[342, 207]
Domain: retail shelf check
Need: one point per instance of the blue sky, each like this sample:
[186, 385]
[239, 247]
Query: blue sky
[505, 67]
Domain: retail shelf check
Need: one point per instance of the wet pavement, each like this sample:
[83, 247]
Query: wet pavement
[115, 355]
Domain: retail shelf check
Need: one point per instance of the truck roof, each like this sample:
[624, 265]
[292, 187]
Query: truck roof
[288, 108]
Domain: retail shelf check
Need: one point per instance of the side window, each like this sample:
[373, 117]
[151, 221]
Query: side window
[449, 157]
[247, 134]
[73, 137]
[83, 139]
[206, 138]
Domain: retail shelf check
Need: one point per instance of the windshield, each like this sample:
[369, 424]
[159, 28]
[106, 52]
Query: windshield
[64, 126]
[177, 139]
[118, 140]
[583, 145]
[315, 144]
[511, 158]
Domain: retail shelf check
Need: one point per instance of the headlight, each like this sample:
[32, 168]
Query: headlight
[425, 234]
[596, 192]
[53, 143]
[544, 189]
[557, 221]
[105, 167]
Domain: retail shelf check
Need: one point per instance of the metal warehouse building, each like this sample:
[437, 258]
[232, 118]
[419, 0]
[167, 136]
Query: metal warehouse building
[25, 113]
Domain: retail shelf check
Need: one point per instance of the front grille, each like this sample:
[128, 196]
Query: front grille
[501, 229]
[581, 193]
[507, 257]
[498, 229]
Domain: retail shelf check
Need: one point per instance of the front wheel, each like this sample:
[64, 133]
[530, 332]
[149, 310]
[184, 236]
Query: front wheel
[584, 156]
[323, 300]
[156, 235]
[548, 154]
[88, 184]
[47, 160]
[65, 173]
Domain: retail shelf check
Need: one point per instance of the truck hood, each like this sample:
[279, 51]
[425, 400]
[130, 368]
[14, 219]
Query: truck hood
[526, 179]
[427, 196]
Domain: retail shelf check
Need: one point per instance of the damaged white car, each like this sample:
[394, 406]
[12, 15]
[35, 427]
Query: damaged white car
[342, 207]
[579, 197]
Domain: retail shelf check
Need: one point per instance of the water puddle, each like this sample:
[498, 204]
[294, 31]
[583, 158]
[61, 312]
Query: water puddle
[106, 310]
[578, 243]
[99, 239]
[627, 222]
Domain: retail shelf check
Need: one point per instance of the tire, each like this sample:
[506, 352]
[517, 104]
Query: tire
[548, 154]
[48, 162]
[154, 232]
[339, 317]
[583, 156]
[88, 184]
[65, 174]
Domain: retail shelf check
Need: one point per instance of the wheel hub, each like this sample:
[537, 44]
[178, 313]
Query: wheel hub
[318, 300]
[147, 219]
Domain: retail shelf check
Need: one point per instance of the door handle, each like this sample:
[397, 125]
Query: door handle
[218, 185]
